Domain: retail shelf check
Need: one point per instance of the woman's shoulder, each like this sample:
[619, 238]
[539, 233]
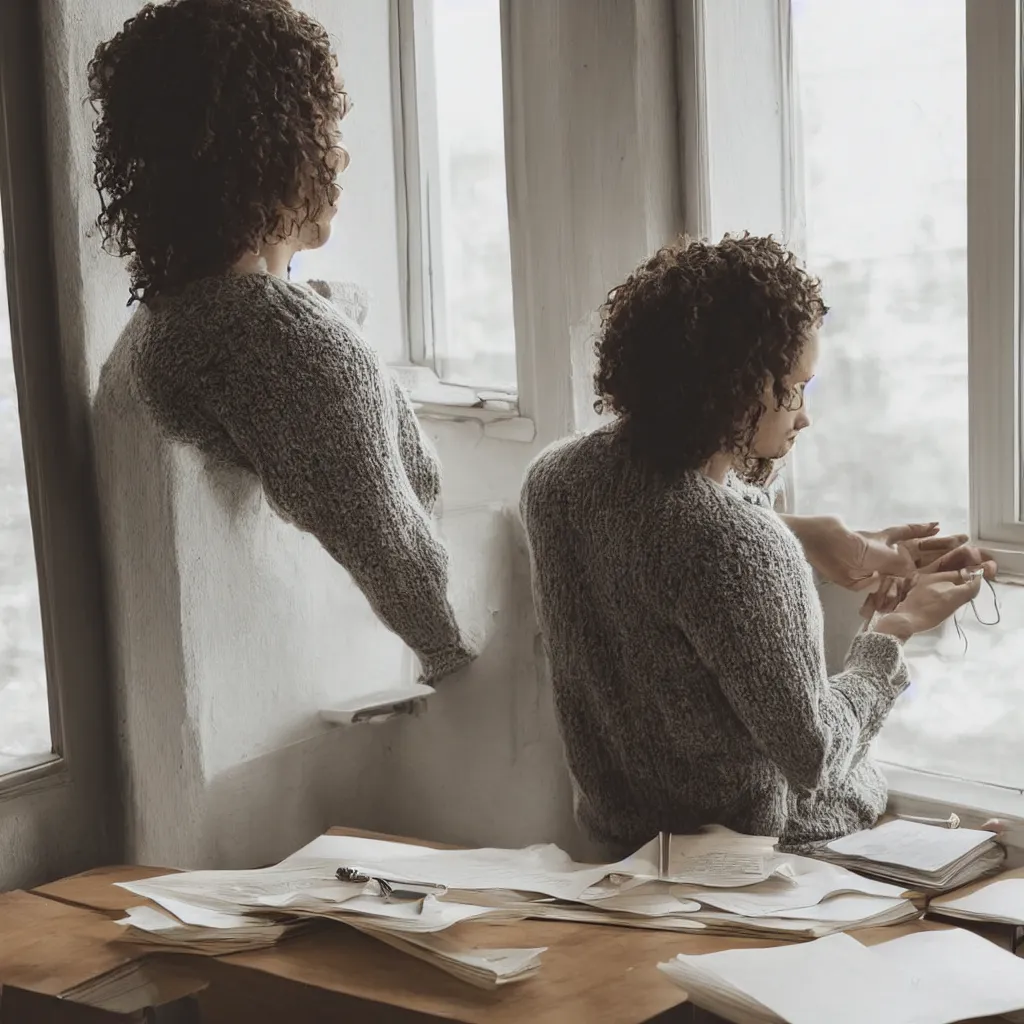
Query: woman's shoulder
[246, 316]
[724, 522]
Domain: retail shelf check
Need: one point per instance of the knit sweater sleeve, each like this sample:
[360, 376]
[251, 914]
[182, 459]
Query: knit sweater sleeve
[746, 601]
[310, 406]
[420, 460]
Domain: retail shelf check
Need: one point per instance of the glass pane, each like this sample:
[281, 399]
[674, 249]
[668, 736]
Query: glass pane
[24, 708]
[476, 341]
[882, 90]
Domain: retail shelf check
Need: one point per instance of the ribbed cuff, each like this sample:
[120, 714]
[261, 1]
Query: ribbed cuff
[444, 664]
[884, 655]
[876, 674]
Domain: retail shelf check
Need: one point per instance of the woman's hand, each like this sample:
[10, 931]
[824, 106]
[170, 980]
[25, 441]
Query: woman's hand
[865, 561]
[893, 590]
[932, 599]
[915, 543]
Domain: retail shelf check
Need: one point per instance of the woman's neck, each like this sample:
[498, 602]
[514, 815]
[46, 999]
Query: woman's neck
[272, 258]
[717, 467]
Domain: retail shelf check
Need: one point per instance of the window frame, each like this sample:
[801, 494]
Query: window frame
[420, 253]
[993, 31]
[53, 402]
[724, 48]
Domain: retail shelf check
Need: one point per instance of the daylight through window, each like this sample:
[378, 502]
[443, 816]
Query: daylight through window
[463, 196]
[24, 707]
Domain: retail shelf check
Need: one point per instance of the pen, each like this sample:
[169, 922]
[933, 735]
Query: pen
[391, 893]
[953, 821]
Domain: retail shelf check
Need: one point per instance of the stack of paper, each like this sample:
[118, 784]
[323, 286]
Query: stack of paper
[1000, 901]
[929, 977]
[923, 857]
[219, 935]
[484, 968]
[220, 912]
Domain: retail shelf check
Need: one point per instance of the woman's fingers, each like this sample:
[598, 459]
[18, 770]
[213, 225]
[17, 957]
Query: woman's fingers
[964, 557]
[910, 531]
[941, 544]
[967, 577]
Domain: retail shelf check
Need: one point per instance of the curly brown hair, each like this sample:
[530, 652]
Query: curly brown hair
[691, 339]
[217, 121]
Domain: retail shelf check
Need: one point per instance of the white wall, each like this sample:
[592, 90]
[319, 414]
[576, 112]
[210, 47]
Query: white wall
[230, 629]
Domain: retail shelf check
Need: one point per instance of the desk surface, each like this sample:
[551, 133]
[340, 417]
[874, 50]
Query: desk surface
[590, 974]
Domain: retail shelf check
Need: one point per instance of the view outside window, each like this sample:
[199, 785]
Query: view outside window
[476, 344]
[24, 710]
[882, 91]
[882, 86]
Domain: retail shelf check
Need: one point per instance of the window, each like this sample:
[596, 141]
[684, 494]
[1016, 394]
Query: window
[908, 136]
[458, 268]
[58, 809]
[882, 100]
[24, 702]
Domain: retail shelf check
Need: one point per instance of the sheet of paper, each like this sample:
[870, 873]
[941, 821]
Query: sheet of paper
[806, 883]
[928, 977]
[651, 900]
[722, 858]
[964, 975]
[911, 844]
[542, 869]
[844, 909]
[487, 968]
[223, 890]
[149, 919]
[1002, 900]
[432, 916]
[202, 917]
[834, 979]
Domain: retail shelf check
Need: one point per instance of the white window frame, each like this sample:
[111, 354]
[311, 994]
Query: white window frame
[420, 246]
[736, 85]
[993, 271]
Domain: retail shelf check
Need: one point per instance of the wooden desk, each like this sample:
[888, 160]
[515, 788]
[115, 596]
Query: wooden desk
[589, 975]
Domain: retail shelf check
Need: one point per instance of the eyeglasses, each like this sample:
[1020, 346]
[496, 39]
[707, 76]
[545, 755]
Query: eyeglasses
[793, 400]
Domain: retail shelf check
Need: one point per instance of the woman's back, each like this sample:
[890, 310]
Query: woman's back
[266, 375]
[651, 598]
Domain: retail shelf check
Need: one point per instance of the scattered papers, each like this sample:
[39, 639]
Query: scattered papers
[1000, 901]
[538, 869]
[925, 857]
[933, 977]
[717, 882]
[221, 912]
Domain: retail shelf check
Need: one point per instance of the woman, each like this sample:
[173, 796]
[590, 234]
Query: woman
[217, 148]
[679, 612]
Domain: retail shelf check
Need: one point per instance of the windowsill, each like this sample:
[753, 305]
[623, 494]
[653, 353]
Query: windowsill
[33, 771]
[496, 411]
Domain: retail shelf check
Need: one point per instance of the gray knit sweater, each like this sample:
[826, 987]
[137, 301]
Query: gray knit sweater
[685, 639]
[270, 376]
